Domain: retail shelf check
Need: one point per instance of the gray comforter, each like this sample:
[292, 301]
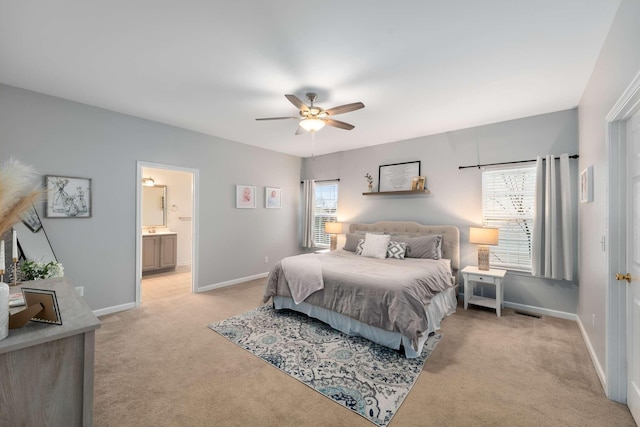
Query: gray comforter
[390, 294]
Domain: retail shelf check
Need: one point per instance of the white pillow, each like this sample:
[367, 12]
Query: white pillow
[375, 245]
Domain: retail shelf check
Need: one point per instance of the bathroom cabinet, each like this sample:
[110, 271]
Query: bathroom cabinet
[159, 252]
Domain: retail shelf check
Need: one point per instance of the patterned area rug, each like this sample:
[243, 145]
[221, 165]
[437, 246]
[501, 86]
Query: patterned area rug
[367, 378]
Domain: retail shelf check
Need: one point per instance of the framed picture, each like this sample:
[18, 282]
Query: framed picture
[272, 197]
[245, 197]
[586, 185]
[397, 176]
[67, 197]
[418, 183]
[31, 219]
[50, 312]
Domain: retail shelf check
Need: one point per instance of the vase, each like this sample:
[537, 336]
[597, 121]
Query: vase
[4, 310]
[370, 187]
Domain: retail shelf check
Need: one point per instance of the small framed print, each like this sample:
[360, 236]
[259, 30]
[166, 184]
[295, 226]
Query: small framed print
[272, 197]
[50, 312]
[245, 197]
[31, 219]
[67, 197]
[586, 185]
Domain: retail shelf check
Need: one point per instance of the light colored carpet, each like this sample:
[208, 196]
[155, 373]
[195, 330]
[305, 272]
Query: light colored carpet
[159, 365]
[364, 377]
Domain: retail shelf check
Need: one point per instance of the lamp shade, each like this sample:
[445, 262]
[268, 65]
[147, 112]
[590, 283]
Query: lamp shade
[312, 125]
[483, 235]
[333, 227]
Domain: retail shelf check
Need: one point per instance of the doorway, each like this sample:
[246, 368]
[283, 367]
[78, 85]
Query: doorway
[623, 294]
[166, 238]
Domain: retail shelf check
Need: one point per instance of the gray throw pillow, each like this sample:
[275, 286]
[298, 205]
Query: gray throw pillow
[352, 242]
[428, 247]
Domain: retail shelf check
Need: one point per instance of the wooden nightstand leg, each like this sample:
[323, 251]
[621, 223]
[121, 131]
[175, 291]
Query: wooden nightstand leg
[466, 293]
[499, 298]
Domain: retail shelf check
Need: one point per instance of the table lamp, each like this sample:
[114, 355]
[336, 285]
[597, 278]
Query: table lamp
[333, 229]
[483, 236]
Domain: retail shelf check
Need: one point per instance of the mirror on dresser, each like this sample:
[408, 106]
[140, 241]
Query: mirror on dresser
[154, 206]
[33, 242]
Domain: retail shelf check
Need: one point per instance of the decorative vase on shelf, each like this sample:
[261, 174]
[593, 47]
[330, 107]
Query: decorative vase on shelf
[370, 187]
[4, 310]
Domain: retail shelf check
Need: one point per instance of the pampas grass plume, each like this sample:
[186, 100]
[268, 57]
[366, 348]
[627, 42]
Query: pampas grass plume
[19, 189]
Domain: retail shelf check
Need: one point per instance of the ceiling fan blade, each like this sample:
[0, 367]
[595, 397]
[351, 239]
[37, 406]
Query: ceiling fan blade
[344, 108]
[279, 118]
[339, 124]
[297, 102]
[299, 131]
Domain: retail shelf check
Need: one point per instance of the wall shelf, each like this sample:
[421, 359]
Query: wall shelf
[395, 193]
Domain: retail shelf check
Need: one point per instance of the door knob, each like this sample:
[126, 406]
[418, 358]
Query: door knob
[626, 277]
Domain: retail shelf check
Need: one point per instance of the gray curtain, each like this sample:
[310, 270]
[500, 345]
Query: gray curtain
[552, 242]
[308, 206]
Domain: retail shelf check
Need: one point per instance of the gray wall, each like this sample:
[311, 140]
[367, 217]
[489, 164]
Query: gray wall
[67, 138]
[456, 195]
[617, 65]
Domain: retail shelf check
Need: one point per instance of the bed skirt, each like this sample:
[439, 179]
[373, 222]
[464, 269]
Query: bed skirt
[442, 305]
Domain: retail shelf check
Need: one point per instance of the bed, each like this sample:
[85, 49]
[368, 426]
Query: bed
[393, 302]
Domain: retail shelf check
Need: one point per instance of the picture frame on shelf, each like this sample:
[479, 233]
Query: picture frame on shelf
[397, 176]
[272, 197]
[245, 197]
[418, 183]
[67, 197]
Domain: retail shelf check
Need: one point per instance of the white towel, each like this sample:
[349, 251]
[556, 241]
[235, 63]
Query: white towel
[303, 274]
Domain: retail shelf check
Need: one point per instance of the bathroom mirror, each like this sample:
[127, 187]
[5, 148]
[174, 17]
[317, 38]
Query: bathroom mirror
[154, 206]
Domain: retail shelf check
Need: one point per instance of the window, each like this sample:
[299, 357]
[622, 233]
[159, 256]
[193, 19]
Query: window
[508, 204]
[326, 210]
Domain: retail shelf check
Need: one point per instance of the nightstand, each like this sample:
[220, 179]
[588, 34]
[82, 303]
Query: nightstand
[492, 276]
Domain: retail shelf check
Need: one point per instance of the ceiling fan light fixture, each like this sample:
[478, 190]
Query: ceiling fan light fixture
[312, 125]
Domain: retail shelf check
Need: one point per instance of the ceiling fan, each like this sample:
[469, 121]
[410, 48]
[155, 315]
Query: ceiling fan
[312, 118]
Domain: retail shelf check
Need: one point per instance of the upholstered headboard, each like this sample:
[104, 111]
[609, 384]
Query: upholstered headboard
[450, 236]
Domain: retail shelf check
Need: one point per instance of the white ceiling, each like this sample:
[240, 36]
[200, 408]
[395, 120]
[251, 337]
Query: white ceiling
[420, 67]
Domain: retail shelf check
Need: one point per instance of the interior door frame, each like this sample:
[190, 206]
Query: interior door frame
[616, 291]
[195, 174]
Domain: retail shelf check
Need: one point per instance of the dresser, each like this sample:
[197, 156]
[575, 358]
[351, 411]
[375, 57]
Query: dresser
[47, 371]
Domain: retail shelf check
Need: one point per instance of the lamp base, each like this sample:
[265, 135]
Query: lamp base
[483, 257]
[334, 242]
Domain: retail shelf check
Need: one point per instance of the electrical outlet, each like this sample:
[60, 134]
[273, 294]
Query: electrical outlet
[266, 260]
[80, 290]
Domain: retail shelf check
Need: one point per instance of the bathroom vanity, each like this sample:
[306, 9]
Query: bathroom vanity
[159, 252]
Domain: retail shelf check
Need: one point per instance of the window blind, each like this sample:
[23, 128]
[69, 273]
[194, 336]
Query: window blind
[326, 210]
[508, 198]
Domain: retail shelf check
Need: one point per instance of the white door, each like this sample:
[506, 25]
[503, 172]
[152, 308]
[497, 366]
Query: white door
[633, 264]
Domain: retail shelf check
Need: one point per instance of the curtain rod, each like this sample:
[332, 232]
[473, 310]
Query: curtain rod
[574, 156]
[323, 180]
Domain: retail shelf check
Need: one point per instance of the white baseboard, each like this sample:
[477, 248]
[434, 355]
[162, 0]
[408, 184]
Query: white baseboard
[114, 309]
[540, 310]
[596, 363]
[183, 263]
[231, 282]
[536, 310]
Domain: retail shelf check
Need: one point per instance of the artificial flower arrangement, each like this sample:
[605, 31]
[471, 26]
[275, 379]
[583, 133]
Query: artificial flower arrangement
[369, 180]
[34, 270]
